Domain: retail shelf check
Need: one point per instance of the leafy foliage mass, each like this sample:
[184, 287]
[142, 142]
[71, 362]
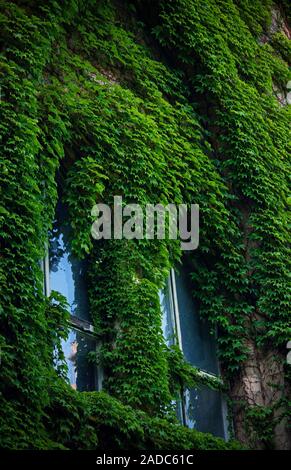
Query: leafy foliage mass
[167, 101]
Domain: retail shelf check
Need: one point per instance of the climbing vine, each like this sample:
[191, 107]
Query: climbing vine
[177, 106]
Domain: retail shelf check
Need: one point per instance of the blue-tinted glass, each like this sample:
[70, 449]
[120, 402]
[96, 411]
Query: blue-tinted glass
[169, 330]
[67, 274]
[203, 410]
[81, 373]
[202, 406]
[198, 345]
[168, 325]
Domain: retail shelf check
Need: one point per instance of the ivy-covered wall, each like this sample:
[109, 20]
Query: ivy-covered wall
[177, 101]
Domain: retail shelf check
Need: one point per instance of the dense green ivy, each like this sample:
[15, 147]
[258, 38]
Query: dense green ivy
[175, 106]
[89, 419]
[251, 136]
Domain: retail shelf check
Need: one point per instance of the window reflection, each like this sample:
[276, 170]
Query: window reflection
[202, 408]
[168, 319]
[198, 345]
[67, 273]
[81, 372]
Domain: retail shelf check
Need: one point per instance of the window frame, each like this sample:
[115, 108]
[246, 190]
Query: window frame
[75, 323]
[175, 314]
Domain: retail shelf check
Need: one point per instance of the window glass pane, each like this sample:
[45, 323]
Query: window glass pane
[203, 407]
[67, 274]
[168, 323]
[199, 346]
[203, 410]
[169, 330]
[81, 372]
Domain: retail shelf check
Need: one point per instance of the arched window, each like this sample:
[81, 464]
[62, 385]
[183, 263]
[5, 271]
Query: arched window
[201, 408]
